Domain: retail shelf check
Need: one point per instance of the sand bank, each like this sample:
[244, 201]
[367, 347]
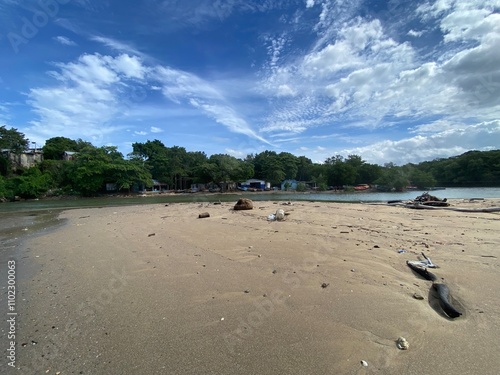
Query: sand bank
[155, 290]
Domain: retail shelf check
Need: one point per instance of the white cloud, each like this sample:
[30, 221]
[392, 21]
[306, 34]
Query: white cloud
[285, 90]
[309, 3]
[415, 34]
[236, 153]
[356, 75]
[86, 99]
[140, 133]
[449, 141]
[330, 60]
[154, 129]
[130, 66]
[64, 41]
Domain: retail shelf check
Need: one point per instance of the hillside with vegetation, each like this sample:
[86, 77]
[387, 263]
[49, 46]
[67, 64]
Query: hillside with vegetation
[93, 168]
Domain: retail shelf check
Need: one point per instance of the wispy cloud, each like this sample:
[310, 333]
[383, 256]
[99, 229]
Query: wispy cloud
[117, 45]
[64, 41]
[86, 97]
[355, 73]
[183, 87]
[154, 129]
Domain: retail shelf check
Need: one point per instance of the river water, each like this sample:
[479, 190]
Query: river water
[51, 204]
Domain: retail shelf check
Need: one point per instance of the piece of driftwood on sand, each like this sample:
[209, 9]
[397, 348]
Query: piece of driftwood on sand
[459, 209]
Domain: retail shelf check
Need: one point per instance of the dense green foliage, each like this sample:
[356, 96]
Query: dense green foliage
[31, 184]
[13, 140]
[54, 148]
[474, 168]
[95, 168]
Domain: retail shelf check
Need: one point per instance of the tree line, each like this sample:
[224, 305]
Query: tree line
[93, 167]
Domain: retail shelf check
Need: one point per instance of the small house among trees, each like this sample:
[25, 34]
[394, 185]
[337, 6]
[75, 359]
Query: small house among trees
[25, 159]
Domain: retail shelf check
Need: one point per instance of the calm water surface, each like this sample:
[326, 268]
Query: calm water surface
[38, 205]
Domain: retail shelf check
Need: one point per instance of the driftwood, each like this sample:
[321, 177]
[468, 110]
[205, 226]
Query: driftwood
[459, 209]
[442, 289]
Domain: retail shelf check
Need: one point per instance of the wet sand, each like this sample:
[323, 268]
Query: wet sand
[155, 290]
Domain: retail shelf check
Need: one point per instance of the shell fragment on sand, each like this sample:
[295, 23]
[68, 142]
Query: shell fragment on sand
[402, 343]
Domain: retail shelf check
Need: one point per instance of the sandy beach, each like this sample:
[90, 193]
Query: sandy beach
[153, 289]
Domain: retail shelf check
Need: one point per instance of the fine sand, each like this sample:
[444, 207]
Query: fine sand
[154, 289]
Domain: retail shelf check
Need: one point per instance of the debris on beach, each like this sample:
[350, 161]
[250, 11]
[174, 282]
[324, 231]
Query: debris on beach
[151, 234]
[431, 200]
[203, 215]
[402, 343]
[279, 215]
[444, 300]
[424, 263]
[364, 363]
[442, 290]
[243, 204]
[418, 296]
[325, 285]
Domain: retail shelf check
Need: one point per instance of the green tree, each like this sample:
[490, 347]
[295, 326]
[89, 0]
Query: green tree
[305, 169]
[340, 172]
[224, 168]
[32, 183]
[301, 186]
[127, 173]
[368, 173]
[59, 171]
[13, 140]
[94, 167]
[289, 164]
[54, 148]
[268, 165]
[88, 170]
[393, 178]
[421, 179]
[5, 190]
[155, 158]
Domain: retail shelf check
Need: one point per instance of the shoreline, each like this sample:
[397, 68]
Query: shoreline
[340, 197]
[154, 289]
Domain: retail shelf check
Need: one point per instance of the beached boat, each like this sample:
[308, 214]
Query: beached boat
[361, 187]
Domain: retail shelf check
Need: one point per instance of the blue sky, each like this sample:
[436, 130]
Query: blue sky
[390, 81]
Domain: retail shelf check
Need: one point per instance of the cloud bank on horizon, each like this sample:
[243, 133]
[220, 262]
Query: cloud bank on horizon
[391, 81]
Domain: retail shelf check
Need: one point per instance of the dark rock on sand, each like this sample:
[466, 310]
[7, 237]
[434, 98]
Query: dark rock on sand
[243, 204]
